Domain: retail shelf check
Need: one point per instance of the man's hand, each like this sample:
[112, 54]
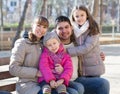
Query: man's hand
[102, 55]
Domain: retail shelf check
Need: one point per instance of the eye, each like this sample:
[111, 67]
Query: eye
[38, 25]
[54, 43]
[44, 26]
[77, 16]
[49, 45]
[60, 28]
[82, 15]
[66, 27]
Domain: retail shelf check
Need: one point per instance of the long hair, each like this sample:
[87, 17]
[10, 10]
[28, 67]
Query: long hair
[39, 20]
[93, 26]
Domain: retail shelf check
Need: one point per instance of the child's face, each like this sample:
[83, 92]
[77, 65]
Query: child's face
[80, 17]
[53, 45]
[39, 30]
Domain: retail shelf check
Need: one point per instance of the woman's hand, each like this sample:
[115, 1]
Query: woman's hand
[102, 55]
[58, 68]
[38, 74]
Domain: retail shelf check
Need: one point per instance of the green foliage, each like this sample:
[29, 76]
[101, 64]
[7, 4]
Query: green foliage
[105, 28]
[108, 28]
[9, 27]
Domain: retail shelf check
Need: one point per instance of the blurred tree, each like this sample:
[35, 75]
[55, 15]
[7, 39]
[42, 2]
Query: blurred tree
[101, 15]
[21, 23]
[38, 5]
[1, 10]
[19, 7]
[43, 8]
[95, 8]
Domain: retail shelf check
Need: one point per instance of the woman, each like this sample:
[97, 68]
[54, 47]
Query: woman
[25, 57]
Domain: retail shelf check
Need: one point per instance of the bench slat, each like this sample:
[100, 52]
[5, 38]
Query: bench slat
[5, 75]
[4, 61]
[9, 88]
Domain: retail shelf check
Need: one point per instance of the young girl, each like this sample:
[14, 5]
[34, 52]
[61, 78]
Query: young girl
[25, 56]
[86, 33]
[53, 54]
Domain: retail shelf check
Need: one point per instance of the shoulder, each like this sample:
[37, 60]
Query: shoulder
[96, 36]
[24, 41]
[21, 44]
[20, 41]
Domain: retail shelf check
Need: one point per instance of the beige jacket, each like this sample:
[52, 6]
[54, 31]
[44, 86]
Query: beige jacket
[24, 65]
[89, 50]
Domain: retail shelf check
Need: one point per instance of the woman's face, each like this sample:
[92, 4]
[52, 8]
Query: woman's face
[64, 30]
[80, 17]
[39, 30]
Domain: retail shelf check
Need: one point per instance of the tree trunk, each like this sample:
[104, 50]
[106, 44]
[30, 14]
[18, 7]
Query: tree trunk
[43, 8]
[101, 15]
[95, 8]
[19, 7]
[1, 9]
[21, 23]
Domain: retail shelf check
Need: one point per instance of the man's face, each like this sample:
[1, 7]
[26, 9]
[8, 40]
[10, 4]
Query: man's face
[64, 30]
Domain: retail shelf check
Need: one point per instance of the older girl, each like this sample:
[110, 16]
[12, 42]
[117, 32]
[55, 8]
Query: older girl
[86, 33]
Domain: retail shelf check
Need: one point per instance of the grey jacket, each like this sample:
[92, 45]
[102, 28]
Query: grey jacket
[24, 65]
[89, 53]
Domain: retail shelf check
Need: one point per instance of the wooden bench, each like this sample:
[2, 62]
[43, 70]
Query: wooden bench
[6, 40]
[5, 76]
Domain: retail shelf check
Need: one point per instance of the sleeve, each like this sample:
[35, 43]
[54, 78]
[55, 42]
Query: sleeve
[16, 66]
[68, 69]
[90, 43]
[45, 68]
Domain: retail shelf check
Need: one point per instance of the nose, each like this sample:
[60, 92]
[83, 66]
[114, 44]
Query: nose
[53, 46]
[63, 30]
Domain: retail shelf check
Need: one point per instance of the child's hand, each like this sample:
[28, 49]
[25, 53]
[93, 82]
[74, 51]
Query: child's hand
[59, 82]
[53, 84]
[58, 68]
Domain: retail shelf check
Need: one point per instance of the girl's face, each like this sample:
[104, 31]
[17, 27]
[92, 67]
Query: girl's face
[39, 30]
[53, 45]
[80, 16]
[64, 30]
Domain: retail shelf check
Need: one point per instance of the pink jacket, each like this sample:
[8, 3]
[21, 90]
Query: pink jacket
[46, 67]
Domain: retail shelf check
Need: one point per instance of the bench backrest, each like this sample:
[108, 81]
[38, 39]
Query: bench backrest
[5, 75]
